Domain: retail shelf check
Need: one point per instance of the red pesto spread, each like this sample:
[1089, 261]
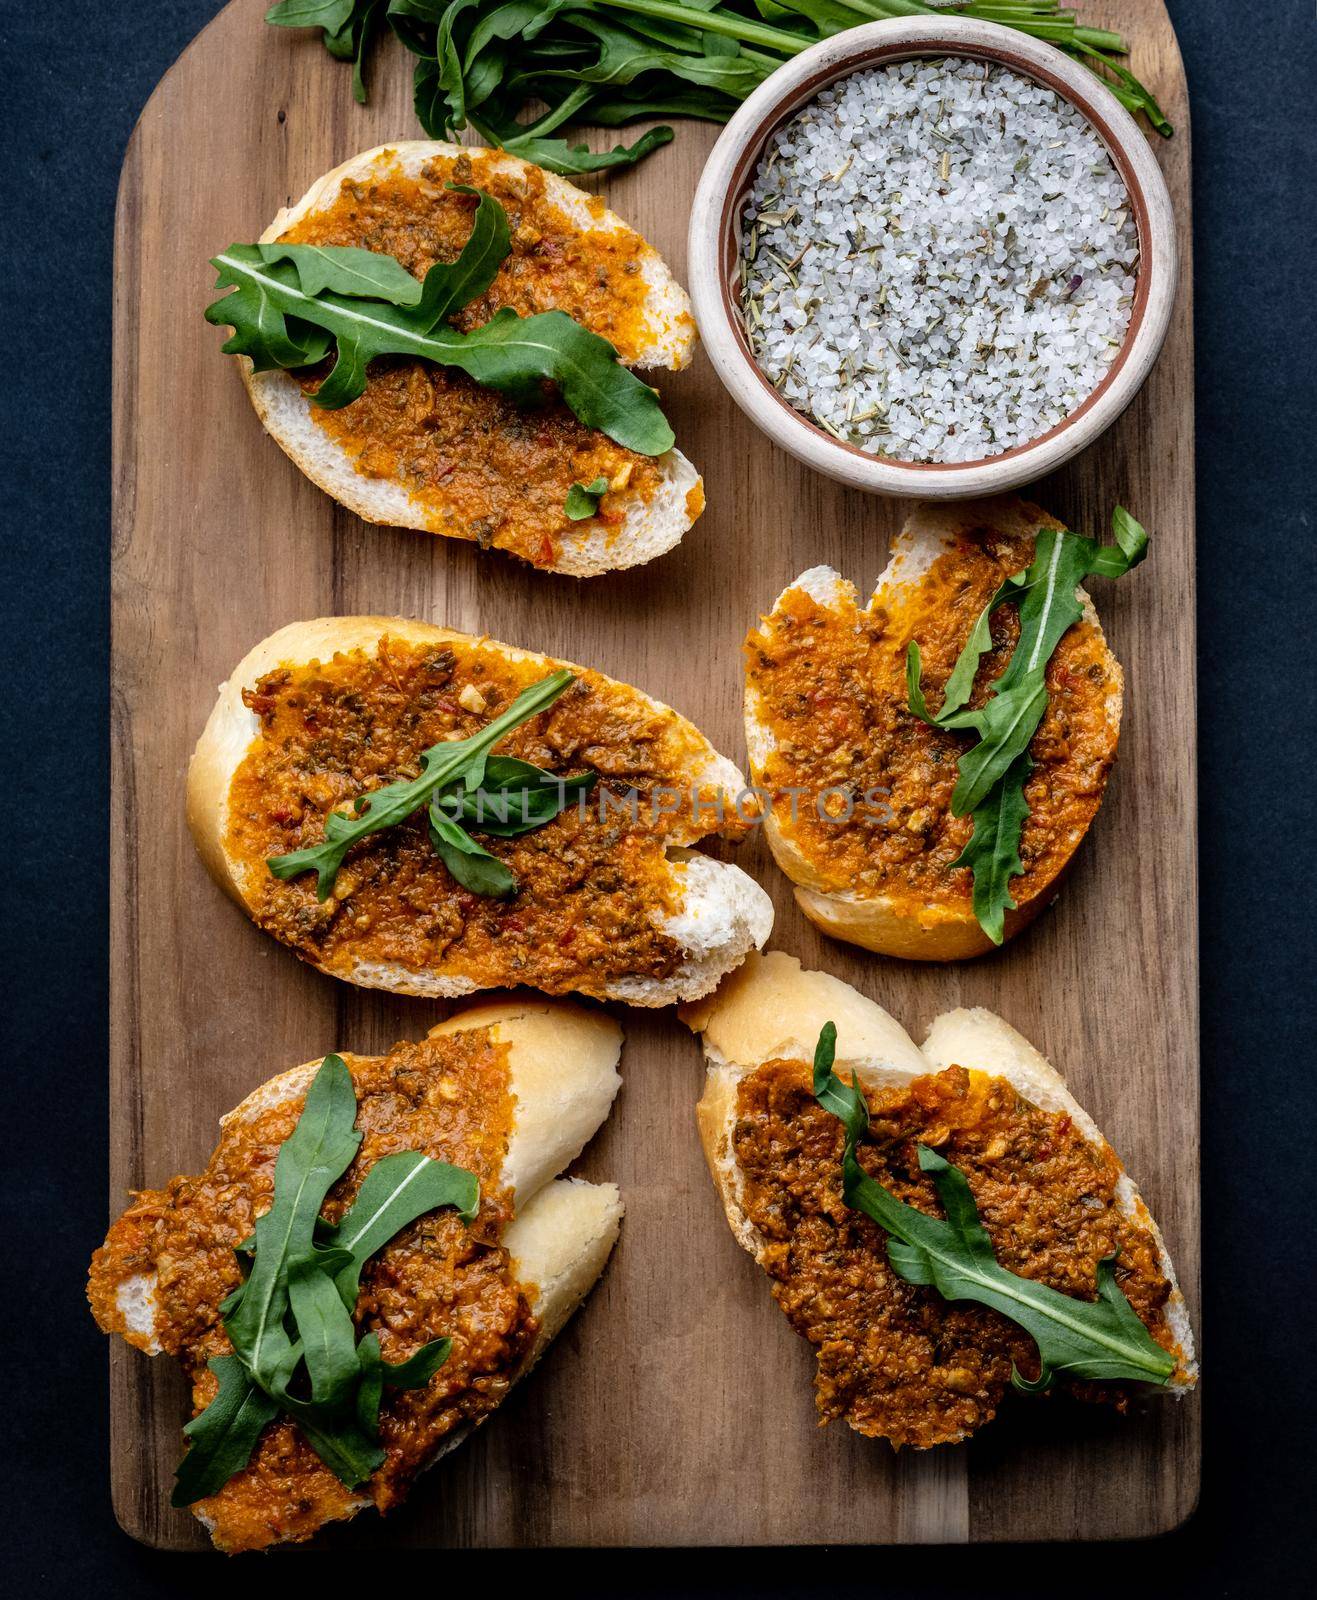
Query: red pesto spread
[594, 883]
[448, 1097]
[832, 689]
[481, 466]
[894, 1359]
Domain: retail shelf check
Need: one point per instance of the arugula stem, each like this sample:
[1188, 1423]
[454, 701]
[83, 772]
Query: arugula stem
[564, 111]
[733, 26]
[1101, 39]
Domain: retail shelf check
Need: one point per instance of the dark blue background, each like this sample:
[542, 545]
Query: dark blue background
[75, 77]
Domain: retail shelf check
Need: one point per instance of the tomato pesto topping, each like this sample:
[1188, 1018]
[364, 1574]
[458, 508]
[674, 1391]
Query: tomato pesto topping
[895, 1359]
[447, 1097]
[481, 466]
[594, 883]
[830, 684]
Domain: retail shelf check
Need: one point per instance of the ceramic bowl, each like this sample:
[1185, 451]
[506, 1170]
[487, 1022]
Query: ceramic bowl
[715, 239]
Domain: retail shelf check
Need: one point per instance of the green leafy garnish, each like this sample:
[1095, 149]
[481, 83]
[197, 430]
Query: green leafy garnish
[994, 770]
[516, 797]
[458, 783]
[223, 1436]
[292, 304]
[295, 1348]
[348, 28]
[583, 499]
[576, 160]
[397, 1190]
[344, 269]
[1102, 1340]
[414, 1373]
[474, 867]
[480, 63]
[311, 1160]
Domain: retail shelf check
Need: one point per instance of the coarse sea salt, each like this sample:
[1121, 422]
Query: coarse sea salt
[937, 260]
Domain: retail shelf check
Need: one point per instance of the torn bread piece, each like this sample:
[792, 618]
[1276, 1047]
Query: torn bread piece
[512, 1091]
[427, 447]
[861, 821]
[896, 1360]
[610, 899]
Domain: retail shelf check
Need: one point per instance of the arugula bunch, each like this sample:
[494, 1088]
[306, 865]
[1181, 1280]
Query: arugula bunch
[459, 784]
[1100, 1339]
[612, 62]
[993, 772]
[293, 303]
[295, 1348]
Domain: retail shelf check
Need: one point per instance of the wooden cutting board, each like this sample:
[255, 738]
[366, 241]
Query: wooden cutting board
[676, 1409]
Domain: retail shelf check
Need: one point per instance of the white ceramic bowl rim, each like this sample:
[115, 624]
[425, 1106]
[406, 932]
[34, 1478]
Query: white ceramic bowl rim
[715, 232]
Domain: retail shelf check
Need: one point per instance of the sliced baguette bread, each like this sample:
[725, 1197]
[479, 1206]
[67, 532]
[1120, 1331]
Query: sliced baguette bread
[612, 901]
[895, 1360]
[513, 1091]
[826, 714]
[428, 449]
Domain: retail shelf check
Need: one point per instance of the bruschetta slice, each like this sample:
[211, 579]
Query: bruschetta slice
[511, 1092]
[896, 1359]
[426, 447]
[609, 898]
[861, 819]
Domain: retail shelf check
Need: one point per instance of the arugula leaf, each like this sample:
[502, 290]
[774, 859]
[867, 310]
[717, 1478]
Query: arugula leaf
[348, 29]
[331, 15]
[516, 355]
[583, 499]
[521, 798]
[474, 867]
[1005, 725]
[284, 314]
[992, 772]
[414, 1373]
[485, 67]
[960, 685]
[830, 1092]
[576, 160]
[634, 102]
[347, 270]
[1101, 1339]
[397, 1189]
[453, 761]
[337, 1438]
[310, 1161]
[451, 285]
[516, 797]
[992, 852]
[327, 1337]
[625, 54]
[224, 1435]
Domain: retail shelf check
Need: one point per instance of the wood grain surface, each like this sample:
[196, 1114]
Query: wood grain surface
[676, 1409]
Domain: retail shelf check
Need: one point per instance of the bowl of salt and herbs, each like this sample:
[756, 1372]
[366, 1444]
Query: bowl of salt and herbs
[932, 257]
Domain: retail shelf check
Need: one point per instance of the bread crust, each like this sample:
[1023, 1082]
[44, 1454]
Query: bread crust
[896, 925]
[588, 548]
[724, 912]
[773, 1009]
